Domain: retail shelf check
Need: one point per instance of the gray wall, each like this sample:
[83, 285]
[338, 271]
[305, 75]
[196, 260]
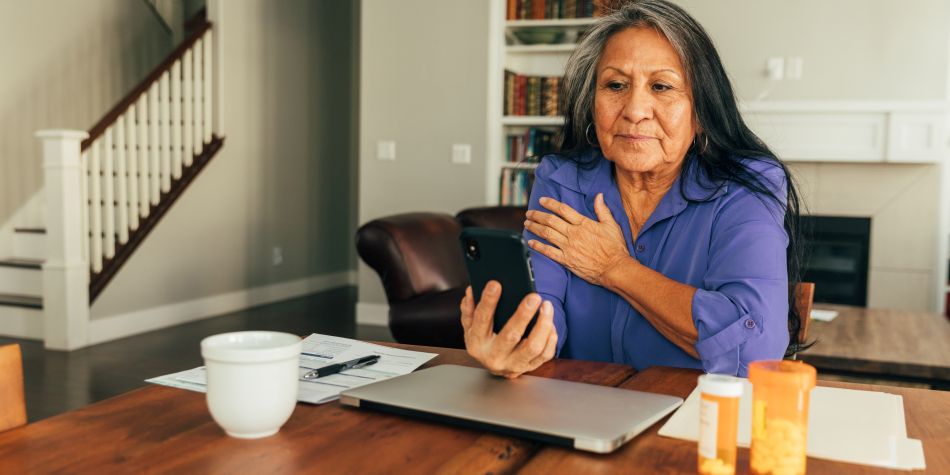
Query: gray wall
[285, 176]
[423, 85]
[65, 64]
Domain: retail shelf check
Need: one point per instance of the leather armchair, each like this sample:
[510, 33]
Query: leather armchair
[420, 263]
[418, 259]
[494, 217]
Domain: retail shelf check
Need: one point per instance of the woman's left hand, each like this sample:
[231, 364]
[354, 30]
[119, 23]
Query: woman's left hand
[588, 248]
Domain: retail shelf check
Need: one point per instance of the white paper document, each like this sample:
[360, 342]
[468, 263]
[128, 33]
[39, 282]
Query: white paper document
[844, 425]
[823, 315]
[319, 351]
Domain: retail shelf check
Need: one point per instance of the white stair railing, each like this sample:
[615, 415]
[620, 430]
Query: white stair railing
[140, 148]
[105, 188]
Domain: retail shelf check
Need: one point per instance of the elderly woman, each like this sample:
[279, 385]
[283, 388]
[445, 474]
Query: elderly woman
[665, 231]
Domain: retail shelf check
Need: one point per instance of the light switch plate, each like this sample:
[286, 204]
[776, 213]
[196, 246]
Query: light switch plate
[793, 67]
[775, 68]
[461, 153]
[386, 150]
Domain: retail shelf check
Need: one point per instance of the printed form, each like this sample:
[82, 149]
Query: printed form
[318, 351]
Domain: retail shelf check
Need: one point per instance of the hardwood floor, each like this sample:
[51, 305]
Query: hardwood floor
[57, 381]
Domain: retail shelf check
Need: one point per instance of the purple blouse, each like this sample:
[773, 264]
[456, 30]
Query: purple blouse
[730, 245]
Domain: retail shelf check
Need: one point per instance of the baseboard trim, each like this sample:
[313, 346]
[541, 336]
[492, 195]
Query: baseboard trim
[372, 314]
[19, 322]
[113, 327]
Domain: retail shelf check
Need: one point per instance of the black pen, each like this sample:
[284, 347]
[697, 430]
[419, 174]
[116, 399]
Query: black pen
[336, 368]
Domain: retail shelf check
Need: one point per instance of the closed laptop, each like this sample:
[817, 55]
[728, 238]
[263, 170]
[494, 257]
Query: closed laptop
[583, 416]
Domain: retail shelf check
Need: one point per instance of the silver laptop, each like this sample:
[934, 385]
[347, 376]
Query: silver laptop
[583, 416]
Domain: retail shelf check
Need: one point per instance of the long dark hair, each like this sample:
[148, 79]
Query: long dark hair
[725, 143]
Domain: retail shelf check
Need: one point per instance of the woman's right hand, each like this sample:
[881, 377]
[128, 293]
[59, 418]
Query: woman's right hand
[506, 353]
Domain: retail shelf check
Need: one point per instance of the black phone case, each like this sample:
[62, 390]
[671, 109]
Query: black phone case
[502, 256]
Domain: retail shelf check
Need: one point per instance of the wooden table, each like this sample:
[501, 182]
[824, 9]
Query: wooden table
[890, 344]
[161, 429]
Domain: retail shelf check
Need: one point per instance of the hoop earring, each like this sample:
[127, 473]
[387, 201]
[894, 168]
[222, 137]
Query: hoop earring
[587, 136]
[705, 144]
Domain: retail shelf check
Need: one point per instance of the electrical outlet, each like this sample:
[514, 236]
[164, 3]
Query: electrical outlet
[461, 153]
[277, 256]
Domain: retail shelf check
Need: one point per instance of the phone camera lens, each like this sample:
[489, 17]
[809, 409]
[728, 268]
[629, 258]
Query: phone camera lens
[471, 250]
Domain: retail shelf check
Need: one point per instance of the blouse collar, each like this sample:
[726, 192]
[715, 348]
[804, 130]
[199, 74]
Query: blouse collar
[599, 177]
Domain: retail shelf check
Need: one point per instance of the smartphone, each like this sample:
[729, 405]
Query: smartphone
[500, 255]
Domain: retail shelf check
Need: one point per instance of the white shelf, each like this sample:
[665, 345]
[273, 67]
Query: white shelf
[558, 22]
[507, 52]
[529, 120]
[520, 165]
[534, 49]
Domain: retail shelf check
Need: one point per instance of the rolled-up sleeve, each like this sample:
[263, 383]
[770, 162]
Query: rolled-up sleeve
[550, 277]
[741, 310]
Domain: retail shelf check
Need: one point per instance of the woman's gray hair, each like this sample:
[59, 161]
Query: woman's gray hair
[689, 40]
[728, 145]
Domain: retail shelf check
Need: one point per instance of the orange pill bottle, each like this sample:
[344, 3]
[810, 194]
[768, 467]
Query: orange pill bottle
[718, 423]
[780, 391]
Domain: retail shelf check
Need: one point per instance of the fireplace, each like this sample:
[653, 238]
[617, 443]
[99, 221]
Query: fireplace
[837, 260]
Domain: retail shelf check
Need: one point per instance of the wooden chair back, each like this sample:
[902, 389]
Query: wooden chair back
[804, 298]
[12, 401]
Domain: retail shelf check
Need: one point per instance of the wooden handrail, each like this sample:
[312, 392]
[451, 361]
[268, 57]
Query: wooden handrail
[130, 98]
[199, 18]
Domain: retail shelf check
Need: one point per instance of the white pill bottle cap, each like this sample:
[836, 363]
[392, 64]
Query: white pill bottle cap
[721, 385]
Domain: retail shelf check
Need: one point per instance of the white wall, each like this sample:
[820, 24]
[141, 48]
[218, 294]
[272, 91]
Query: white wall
[852, 49]
[423, 84]
[285, 176]
[65, 64]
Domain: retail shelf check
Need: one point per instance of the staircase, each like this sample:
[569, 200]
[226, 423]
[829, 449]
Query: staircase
[105, 190]
[21, 281]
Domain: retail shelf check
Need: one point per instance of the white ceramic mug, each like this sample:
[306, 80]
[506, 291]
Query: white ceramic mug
[252, 380]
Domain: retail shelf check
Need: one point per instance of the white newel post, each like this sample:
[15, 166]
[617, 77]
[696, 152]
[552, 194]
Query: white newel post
[66, 272]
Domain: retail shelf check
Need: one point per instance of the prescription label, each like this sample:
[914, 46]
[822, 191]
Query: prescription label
[708, 428]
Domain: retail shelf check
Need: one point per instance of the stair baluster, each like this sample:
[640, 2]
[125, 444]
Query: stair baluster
[207, 78]
[132, 153]
[176, 120]
[166, 140]
[95, 206]
[108, 196]
[122, 183]
[198, 97]
[188, 103]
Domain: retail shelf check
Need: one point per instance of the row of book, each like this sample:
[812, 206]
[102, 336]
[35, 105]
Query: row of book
[529, 146]
[515, 186]
[549, 9]
[531, 95]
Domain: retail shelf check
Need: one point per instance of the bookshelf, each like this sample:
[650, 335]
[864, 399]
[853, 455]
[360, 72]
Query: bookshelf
[537, 49]
[561, 22]
[529, 120]
[532, 48]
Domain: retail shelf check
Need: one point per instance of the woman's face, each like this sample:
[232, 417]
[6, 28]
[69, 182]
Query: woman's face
[643, 108]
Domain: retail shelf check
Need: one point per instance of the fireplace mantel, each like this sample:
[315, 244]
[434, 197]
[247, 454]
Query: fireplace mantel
[856, 132]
